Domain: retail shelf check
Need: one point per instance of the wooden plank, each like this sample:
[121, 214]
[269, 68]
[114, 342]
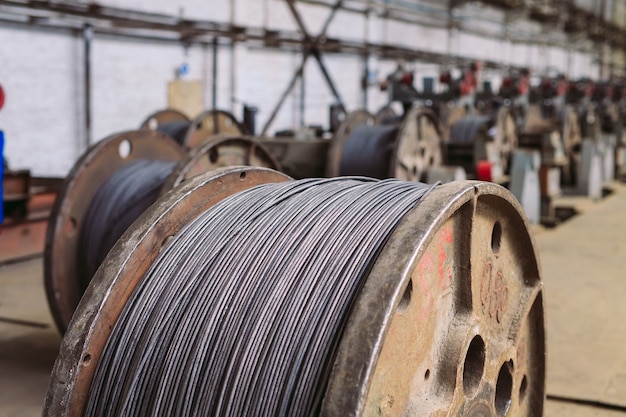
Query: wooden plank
[186, 96]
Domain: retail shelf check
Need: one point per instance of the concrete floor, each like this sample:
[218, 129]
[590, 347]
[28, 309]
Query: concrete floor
[585, 289]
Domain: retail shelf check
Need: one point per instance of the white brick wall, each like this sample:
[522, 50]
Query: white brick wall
[42, 74]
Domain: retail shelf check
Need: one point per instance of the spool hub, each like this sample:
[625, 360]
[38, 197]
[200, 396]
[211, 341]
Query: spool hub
[419, 146]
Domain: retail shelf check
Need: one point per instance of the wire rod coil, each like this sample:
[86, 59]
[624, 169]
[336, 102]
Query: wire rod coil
[317, 297]
[404, 150]
[64, 276]
[270, 320]
[122, 198]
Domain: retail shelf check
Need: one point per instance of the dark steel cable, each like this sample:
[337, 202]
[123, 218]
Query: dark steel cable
[466, 130]
[368, 151]
[122, 198]
[176, 129]
[242, 311]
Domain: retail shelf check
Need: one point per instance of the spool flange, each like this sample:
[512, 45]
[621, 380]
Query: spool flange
[123, 268]
[62, 280]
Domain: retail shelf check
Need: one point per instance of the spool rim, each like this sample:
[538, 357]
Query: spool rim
[160, 117]
[506, 138]
[411, 161]
[385, 112]
[61, 275]
[198, 159]
[357, 384]
[223, 122]
[120, 272]
[353, 119]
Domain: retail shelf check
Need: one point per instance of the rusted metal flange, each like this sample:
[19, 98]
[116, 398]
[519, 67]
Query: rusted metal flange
[210, 123]
[419, 146]
[449, 115]
[218, 152]
[451, 319]
[385, 113]
[123, 268]
[161, 117]
[62, 280]
[353, 119]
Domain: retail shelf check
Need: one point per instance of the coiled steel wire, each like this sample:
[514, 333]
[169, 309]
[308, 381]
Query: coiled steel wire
[243, 309]
[368, 151]
[121, 199]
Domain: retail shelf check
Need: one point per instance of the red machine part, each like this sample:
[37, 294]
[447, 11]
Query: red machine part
[2, 97]
[484, 171]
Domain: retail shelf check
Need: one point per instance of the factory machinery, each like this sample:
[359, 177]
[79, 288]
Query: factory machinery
[195, 268]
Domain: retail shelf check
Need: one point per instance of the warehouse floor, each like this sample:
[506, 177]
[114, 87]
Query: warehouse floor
[585, 289]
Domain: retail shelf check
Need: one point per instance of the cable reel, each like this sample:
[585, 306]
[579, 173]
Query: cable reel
[405, 151]
[244, 293]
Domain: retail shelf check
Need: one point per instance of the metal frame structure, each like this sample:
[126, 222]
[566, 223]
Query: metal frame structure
[91, 19]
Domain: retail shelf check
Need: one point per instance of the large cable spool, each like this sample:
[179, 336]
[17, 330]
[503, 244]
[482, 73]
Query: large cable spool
[190, 133]
[64, 285]
[405, 151]
[433, 304]
[111, 185]
[483, 138]
[209, 123]
[386, 115]
[170, 122]
[351, 121]
[221, 151]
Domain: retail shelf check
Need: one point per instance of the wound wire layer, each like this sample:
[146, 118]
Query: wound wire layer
[242, 311]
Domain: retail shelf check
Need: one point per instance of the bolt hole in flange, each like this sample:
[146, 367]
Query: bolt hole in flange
[496, 237]
[124, 149]
[213, 155]
[406, 297]
[523, 389]
[474, 365]
[504, 389]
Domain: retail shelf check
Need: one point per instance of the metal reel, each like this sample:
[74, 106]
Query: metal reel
[385, 113]
[123, 268]
[221, 151]
[62, 280]
[353, 119]
[450, 115]
[419, 146]
[451, 319]
[210, 123]
[161, 117]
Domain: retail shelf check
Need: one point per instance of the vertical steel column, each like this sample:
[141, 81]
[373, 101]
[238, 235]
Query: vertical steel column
[214, 75]
[87, 38]
[365, 80]
[302, 96]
